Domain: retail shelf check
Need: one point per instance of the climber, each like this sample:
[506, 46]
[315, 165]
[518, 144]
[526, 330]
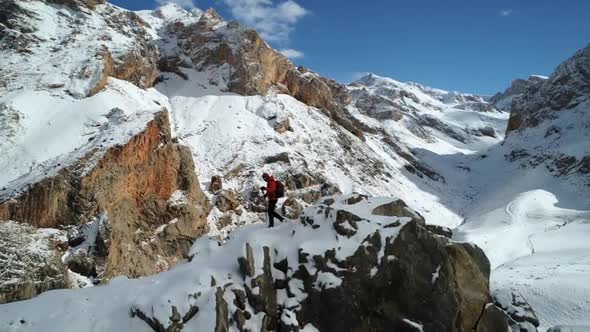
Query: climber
[274, 190]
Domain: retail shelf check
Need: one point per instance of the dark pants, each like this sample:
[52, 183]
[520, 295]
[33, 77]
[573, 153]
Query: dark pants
[272, 205]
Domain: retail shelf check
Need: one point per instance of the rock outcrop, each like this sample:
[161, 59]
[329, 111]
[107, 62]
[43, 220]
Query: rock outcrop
[251, 66]
[552, 117]
[30, 260]
[145, 194]
[503, 100]
[566, 88]
[365, 279]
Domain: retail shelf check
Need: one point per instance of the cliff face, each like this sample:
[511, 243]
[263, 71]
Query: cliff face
[503, 100]
[568, 87]
[549, 123]
[145, 193]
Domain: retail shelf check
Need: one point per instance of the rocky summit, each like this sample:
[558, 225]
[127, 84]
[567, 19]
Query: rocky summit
[132, 145]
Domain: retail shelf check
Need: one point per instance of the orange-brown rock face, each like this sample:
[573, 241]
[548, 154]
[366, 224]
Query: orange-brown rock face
[138, 65]
[255, 68]
[147, 191]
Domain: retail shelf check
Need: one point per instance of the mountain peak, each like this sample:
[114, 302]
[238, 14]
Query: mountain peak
[372, 79]
[171, 11]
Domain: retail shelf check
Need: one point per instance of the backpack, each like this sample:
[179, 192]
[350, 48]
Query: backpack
[280, 189]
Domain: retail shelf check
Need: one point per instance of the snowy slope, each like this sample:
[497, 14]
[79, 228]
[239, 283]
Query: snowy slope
[45, 121]
[531, 214]
[228, 132]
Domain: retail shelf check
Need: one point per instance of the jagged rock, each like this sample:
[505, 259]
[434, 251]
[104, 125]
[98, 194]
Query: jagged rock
[485, 131]
[440, 230]
[130, 184]
[240, 300]
[522, 315]
[299, 181]
[396, 208]
[281, 126]
[492, 320]
[291, 208]
[266, 298]
[247, 264]
[345, 223]
[227, 200]
[446, 292]
[240, 319]
[83, 264]
[329, 189]
[30, 263]
[177, 321]
[224, 221]
[356, 198]
[216, 183]
[288, 322]
[281, 157]
[368, 282]
[221, 312]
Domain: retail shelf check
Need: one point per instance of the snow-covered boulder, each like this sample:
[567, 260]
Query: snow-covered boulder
[30, 260]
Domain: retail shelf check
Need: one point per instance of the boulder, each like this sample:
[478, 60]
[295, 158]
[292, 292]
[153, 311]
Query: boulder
[247, 264]
[356, 198]
[291, 208]
[396, 208]
[492, 320]
[440, 230]
[522, 315]
[282, 125]
[221, 312]
[30, 263]
[216, 183]
[227, 200]
[447, 291]
[83, 264]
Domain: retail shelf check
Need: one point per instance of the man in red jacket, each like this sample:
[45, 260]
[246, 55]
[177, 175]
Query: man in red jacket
[271, 193]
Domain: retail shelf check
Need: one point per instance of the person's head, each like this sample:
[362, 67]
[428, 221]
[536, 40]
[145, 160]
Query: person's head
[265, 176]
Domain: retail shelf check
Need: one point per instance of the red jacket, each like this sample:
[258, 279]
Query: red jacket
[271, 189]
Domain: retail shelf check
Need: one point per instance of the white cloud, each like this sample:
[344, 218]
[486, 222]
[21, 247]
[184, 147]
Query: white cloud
[273, 21]
[187, 4]
[506, 12]
[291, 53]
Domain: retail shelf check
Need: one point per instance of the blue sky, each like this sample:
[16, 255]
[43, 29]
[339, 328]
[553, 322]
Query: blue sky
[465, 45]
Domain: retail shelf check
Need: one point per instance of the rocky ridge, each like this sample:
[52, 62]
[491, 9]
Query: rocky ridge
[503, 100]
[340, 257]
[549, 120]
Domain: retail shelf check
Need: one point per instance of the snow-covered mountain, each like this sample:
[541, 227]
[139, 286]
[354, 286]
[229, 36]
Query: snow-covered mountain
[102, 108]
